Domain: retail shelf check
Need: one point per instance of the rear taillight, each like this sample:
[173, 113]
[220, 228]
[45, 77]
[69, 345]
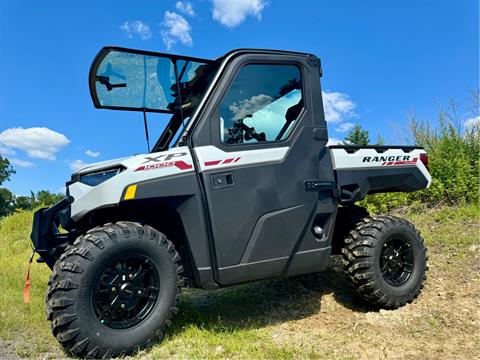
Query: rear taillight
[424, 159]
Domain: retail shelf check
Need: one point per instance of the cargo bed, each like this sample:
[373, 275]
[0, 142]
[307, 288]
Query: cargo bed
[362, 170]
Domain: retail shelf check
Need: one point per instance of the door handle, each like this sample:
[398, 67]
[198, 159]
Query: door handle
[222, 180]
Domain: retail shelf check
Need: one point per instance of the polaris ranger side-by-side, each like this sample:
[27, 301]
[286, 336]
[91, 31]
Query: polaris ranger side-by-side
[240, 186]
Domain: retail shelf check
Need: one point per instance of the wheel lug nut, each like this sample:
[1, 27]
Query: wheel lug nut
[113, 288]
[122, 306]
[130, 276]
[139, 292]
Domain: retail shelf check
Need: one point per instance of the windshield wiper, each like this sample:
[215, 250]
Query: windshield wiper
[105, 80]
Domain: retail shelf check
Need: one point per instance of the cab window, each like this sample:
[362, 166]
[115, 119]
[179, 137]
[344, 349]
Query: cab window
[262, 104]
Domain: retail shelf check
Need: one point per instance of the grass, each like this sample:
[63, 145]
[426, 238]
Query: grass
[21, 323]
[449, 226]
[311, 316]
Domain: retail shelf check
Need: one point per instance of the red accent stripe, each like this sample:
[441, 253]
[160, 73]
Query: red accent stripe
[213, 162]
[411, 162]
[182, 165]
[217, 162]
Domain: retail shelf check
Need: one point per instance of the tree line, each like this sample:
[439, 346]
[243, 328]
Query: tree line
[10, 202]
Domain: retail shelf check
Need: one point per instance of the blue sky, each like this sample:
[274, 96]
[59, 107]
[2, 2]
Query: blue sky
[381, 60]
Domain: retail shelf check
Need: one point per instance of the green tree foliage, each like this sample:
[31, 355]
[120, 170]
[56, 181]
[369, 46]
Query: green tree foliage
[453, 155]
[380, 140]
[7, 199]
[45, 198]
[24, 202]
[7, 202]
[5, 170]
[357, 136]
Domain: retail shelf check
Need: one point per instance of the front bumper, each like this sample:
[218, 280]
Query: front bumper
[47, 241]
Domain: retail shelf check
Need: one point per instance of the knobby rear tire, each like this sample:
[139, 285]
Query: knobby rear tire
[362, 253]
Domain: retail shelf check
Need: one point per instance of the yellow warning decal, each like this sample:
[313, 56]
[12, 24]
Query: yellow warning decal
[130, 193]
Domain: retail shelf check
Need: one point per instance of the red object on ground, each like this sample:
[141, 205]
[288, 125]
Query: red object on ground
[26, 289]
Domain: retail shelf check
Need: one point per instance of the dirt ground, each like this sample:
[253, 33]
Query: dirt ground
[444, 322]
[321, 317]
[7, 351]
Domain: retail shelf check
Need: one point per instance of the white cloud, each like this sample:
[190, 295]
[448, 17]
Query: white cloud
[93, 154]
[175, 28]
[337, 106]
[344, 126]
[473, 122]
[37, 142]
[77, 165]
[249, 106]
[185, 7]
[334, 141]
[6, 151]
[21, 163]
[232, 13]
[264, 111]
[136, 27]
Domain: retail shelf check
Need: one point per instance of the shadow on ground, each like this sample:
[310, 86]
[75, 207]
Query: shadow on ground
[268, 302]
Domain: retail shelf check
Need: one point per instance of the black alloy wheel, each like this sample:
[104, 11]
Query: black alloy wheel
[396, 261]
[126, 292]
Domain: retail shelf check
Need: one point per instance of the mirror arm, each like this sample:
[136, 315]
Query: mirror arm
[105, 80]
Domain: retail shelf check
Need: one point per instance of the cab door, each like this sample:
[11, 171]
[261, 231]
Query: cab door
[261, 144]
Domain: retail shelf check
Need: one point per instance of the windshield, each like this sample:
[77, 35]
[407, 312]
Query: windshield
[130, 80]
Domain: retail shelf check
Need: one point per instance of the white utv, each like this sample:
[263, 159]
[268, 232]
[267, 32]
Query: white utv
[240, 186]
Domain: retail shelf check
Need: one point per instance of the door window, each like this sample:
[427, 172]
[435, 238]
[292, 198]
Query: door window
[262, 104]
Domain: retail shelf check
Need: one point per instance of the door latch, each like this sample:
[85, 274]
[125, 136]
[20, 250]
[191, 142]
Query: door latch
[319, 185]
[222, 180]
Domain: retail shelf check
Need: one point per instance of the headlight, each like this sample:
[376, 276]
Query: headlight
[99, 176]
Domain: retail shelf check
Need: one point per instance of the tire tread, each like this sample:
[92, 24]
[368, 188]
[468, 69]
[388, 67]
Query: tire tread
[59, 298]
[358, 252]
